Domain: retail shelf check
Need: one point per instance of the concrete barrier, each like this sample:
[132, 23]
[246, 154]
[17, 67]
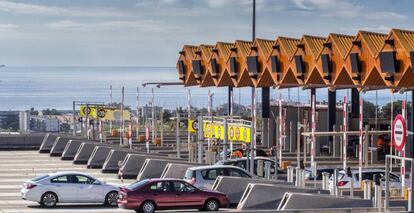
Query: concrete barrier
[153, 168]
[71, 149]
[47, 143]
[296, 201]
[111, 164]
[234, 187]
[268, 196]
[59, 146]
[132, 165]
[21, 141]
[84, 153]
[98, 157]
[176, 170]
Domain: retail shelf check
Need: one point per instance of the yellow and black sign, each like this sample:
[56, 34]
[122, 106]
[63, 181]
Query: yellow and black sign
[192, 125]
[235, 132]
[104, 113]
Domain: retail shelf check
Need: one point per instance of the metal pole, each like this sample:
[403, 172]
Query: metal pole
[411, 192]
[162, 126]
[189, 117]
[153, 115]
[313, 141]
[210, 114]
[387, 177]
[200, 140]
[403, 154]
[360, 138]
[87, 111]
[177, 140]
[231, 117]
[110, 102]
[391, 122]
[121, 134]
[137, 113]
[253, 130]
[73, 118]
[225, 139]
[345, 136]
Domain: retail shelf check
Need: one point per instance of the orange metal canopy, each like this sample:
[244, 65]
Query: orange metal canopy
[260, 51]
[303, 62]
[330, 61]
[184, 65]
[220, 53]
[400, 44]
[361, 63]
[236, 64]
[203, 55]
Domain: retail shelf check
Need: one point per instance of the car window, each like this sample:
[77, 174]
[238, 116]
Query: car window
[182, 187]
[189, 174]
[162, 186]
[82, 179]
[61, 179]
[137, 184]
[241, 164]
[235, 173]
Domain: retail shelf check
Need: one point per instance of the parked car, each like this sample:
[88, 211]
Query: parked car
[69, 187]
[344, 181]
[309, 176]
[156, 194]
[241, 162]
[204, 176]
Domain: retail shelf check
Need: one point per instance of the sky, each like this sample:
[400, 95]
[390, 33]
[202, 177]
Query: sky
[152, 32]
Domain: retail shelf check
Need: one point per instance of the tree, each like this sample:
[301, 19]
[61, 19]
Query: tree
[369, 110]
[33, 111]
[397, 106]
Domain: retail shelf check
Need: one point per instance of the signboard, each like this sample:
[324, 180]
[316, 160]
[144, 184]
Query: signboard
[104, 113]
[399, 131]
[236, 132]
[192, 125]
[90, 111]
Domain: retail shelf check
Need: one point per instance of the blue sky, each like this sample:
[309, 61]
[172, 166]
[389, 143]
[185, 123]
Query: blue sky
[151, 32]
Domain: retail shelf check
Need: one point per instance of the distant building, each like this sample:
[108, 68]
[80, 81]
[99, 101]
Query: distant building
[24, 121]
[45, 124]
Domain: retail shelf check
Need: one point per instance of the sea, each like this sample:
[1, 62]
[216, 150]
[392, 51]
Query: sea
[57, 87]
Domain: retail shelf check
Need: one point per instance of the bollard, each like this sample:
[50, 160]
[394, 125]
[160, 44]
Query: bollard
[335, 183]
[297, 181]
[260, 168]
[325, 180]
[267, 166]
[302, 177]
[377, 192]
[349, 174]
[367, 189]
[410, 205]
[290, 170]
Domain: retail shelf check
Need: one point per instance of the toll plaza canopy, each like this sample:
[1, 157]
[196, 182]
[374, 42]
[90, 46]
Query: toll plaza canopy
[368, 61]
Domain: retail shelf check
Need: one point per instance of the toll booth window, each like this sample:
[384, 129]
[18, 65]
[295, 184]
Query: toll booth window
[181, 67]
[326, 64]
[233, 65]
[355, 64]
[387, 62]
[252, 65]
[197, 67]
[214, 66]
[274, 60]
[299, 64]
[412, 61]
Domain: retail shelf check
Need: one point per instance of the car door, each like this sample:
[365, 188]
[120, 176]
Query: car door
[63, 187]
[186, 195]
[163, 194]
[86, 191]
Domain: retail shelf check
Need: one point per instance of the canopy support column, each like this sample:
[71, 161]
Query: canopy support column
[410, 146]
[317, 142]
[265, 116]
[333, 145]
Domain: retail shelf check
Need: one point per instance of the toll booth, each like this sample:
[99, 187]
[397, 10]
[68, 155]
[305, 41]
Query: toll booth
[279, 60]
[218, 64]
[185, 67]
[304, 63]
[201, 63]
[236, 64]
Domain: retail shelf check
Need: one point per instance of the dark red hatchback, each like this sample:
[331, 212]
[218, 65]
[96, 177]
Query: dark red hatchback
[160, 194]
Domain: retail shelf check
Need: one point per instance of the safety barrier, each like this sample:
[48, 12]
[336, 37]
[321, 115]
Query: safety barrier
[234, 187]
[71, 149]
[112, 162]
[176, 170]
[268, 196]
[84, 153]
[58, 146]
[98, 157]
[153, 168]
[47, 143]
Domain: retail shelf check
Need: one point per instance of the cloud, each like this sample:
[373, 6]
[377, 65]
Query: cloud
[8, 27]
[25, 8]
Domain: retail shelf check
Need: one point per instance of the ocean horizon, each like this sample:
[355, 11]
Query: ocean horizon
[41, 87]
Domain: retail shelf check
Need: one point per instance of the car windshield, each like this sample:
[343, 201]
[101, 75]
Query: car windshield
[189, 174]
[137, 185]
[39, 178]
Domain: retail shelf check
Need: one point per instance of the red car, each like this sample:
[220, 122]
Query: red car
[156, 194]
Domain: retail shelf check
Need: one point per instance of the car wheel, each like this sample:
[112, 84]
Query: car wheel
[48, 199]
[111, 199]
[211, 205]
[147, 207]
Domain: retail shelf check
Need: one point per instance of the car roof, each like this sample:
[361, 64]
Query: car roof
[213, 167]
[68, 173]
[164, 179]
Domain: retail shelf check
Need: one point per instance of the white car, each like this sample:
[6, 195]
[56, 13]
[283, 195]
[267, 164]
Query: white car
[344, 181]
[203, 177]
[69, 187]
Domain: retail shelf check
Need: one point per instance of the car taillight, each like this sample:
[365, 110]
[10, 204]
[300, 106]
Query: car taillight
[193, 181]
[29, 185]
[342, 183]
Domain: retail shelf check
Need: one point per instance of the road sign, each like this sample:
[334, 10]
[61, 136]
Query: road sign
[231, 132]
[399, 132]
[237, 133]
[192, 125]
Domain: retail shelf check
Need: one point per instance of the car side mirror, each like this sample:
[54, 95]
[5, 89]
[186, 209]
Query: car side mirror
[96, 182]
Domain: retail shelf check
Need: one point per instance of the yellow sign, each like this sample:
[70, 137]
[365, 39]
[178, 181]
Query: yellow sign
[236, 133]
[104, 113]
[192, 126]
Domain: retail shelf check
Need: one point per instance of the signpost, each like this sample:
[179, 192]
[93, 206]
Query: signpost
[345, 137]
[399, 131]
[147, 138]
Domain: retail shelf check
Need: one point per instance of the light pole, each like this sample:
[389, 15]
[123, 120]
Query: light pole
[253, 127]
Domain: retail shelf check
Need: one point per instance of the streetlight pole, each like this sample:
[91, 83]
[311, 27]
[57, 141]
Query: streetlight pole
[253, 129]
[137, 113]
